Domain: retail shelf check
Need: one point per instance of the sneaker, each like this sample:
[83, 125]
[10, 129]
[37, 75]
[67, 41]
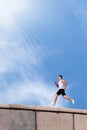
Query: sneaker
[73, 101]
[52, 104]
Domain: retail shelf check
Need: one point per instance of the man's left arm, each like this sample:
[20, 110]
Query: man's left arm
[65, 84]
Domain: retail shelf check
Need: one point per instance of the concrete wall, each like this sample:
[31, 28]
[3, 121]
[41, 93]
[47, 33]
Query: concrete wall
[16, 117]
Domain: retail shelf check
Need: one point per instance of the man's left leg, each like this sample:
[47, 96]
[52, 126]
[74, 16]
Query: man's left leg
[66, 97]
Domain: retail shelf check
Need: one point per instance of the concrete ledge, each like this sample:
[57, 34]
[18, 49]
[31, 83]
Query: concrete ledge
[42, 108]
[22, 117]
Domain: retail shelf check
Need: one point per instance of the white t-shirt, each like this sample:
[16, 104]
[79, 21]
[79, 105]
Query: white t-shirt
[61, 85]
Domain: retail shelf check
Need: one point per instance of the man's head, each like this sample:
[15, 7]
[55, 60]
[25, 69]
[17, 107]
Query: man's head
[60, 77]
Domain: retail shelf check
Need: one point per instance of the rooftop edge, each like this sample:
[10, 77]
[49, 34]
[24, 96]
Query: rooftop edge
[42, 108]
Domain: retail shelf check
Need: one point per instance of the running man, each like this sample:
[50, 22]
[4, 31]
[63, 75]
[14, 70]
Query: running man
[62, 87]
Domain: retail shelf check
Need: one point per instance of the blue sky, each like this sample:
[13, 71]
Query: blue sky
[40, 39]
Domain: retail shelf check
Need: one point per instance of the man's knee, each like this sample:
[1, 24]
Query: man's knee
[56, 95]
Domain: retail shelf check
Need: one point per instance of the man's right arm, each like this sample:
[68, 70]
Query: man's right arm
[56, 84]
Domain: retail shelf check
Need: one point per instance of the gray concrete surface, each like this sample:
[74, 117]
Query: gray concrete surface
[80, 122]
[12, 119]
[54, 121]
[21, 117]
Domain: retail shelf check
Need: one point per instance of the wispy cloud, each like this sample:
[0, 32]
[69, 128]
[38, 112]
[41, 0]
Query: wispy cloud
[14, 54]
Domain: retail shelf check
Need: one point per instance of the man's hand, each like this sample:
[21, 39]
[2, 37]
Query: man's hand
[56, 84]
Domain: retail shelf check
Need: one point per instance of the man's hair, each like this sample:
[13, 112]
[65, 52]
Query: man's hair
[61, 76]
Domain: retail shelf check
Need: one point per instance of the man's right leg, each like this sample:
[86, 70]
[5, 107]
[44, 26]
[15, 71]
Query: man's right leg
[55, 99]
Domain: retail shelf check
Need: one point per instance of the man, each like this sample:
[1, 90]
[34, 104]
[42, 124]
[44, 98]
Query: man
[62, 87]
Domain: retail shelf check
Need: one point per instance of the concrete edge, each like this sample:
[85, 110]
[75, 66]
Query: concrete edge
[42, 108]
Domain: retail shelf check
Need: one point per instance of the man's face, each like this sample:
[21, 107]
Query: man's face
[59, 78]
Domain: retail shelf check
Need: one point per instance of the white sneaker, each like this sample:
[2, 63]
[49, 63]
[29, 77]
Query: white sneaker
[52, 104]
[73, 101]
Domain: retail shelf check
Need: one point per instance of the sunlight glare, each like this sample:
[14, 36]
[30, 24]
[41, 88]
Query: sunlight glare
[9, 9]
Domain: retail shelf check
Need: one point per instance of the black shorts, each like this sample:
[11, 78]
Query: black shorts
[61, 91]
